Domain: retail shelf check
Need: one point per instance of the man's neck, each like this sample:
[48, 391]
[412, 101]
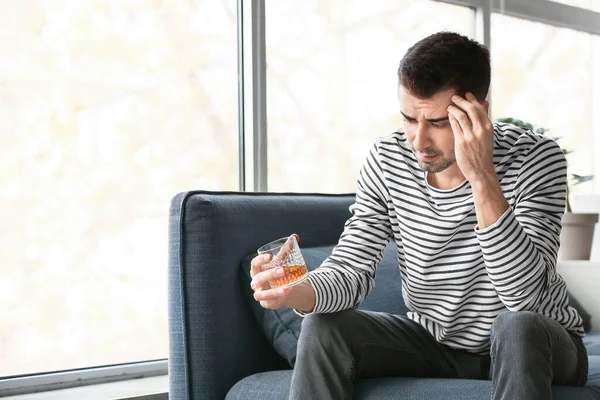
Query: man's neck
[449, 178]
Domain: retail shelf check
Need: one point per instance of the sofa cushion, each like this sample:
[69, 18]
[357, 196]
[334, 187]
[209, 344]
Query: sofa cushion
[592, 343]
[275, 385]
[282, 327]
[594, 372]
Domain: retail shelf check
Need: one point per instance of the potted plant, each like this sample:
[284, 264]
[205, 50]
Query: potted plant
[577, 233]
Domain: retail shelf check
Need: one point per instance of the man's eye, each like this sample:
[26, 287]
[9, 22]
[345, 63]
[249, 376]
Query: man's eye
[410, 121]
[435, 125]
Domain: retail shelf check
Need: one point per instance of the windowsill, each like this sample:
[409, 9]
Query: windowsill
[152, 388]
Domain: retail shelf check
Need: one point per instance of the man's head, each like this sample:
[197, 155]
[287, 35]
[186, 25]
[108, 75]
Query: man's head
[430, 72]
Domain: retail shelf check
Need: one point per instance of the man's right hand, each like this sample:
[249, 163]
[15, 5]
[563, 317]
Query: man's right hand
[263, 293]
[301, 296]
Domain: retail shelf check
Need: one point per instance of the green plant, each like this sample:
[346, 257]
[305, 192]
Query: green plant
[573, 179]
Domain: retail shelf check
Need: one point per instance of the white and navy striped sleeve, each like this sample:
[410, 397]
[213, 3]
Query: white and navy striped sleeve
[345, 278]
[520, 249]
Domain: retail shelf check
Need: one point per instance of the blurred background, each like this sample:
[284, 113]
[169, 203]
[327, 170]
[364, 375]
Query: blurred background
[109, 108]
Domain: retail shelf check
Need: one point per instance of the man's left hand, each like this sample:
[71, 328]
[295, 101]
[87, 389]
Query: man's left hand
[473, 138]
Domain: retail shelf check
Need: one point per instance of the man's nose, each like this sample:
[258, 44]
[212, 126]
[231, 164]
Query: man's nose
[422, 139]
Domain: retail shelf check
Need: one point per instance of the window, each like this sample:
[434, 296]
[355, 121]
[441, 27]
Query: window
[332, 82]
[108, 108]
[549, 76]
[593, 5]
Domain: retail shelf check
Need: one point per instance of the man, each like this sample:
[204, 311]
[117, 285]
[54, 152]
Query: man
[475, 210]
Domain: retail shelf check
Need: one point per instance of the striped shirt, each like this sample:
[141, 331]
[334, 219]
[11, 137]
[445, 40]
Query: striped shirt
[456, 278]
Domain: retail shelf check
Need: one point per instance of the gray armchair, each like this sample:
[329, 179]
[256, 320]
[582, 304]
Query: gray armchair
[217, 346]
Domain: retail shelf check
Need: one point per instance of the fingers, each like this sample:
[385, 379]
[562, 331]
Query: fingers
[462, 119]
[257, 264]
[286, 248]
[272, 298]
[473, 116]
[289, 244]
[456, 127]
[261, 279]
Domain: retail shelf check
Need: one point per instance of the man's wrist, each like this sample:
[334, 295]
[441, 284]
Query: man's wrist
[302, 298]
[484, 182]
[489, 200]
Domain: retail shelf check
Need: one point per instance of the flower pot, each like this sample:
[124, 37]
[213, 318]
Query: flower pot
[577, 236]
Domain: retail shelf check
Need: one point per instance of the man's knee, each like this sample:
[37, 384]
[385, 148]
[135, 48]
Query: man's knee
[516, 327]
[323, 330]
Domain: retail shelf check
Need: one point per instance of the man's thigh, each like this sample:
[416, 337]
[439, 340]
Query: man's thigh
[565, 357]
[391, 345]
[521, 333]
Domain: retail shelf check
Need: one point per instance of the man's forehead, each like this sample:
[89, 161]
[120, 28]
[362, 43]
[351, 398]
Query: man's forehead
[430, 108]
[426, 111]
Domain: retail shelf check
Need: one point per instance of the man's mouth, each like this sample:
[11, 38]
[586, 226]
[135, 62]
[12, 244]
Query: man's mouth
[426, 157]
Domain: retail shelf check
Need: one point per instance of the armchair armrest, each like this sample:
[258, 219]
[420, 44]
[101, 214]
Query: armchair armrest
[583, 283]
[214, 339]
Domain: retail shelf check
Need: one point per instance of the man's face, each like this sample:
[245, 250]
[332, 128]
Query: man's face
[428, 130]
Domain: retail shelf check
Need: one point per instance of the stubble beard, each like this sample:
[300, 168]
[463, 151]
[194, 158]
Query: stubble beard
[438, 166]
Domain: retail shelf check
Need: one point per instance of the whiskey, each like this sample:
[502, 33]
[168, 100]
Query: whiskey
[292, 274]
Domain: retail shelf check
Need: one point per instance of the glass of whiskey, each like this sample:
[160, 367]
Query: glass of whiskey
[285, 253]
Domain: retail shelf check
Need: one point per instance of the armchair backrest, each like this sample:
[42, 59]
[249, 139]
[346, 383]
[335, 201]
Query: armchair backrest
[214, 340]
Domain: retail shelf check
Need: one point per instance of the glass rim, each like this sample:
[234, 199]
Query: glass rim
[262, 249]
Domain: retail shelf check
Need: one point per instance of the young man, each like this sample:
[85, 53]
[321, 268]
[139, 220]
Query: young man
[475, 210]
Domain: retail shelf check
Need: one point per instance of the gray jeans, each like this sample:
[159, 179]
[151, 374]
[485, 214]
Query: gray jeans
[529, 352]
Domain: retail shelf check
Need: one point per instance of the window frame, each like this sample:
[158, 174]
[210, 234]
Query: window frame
[31, 383]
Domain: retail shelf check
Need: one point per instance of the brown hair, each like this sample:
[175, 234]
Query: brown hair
[446, 60]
